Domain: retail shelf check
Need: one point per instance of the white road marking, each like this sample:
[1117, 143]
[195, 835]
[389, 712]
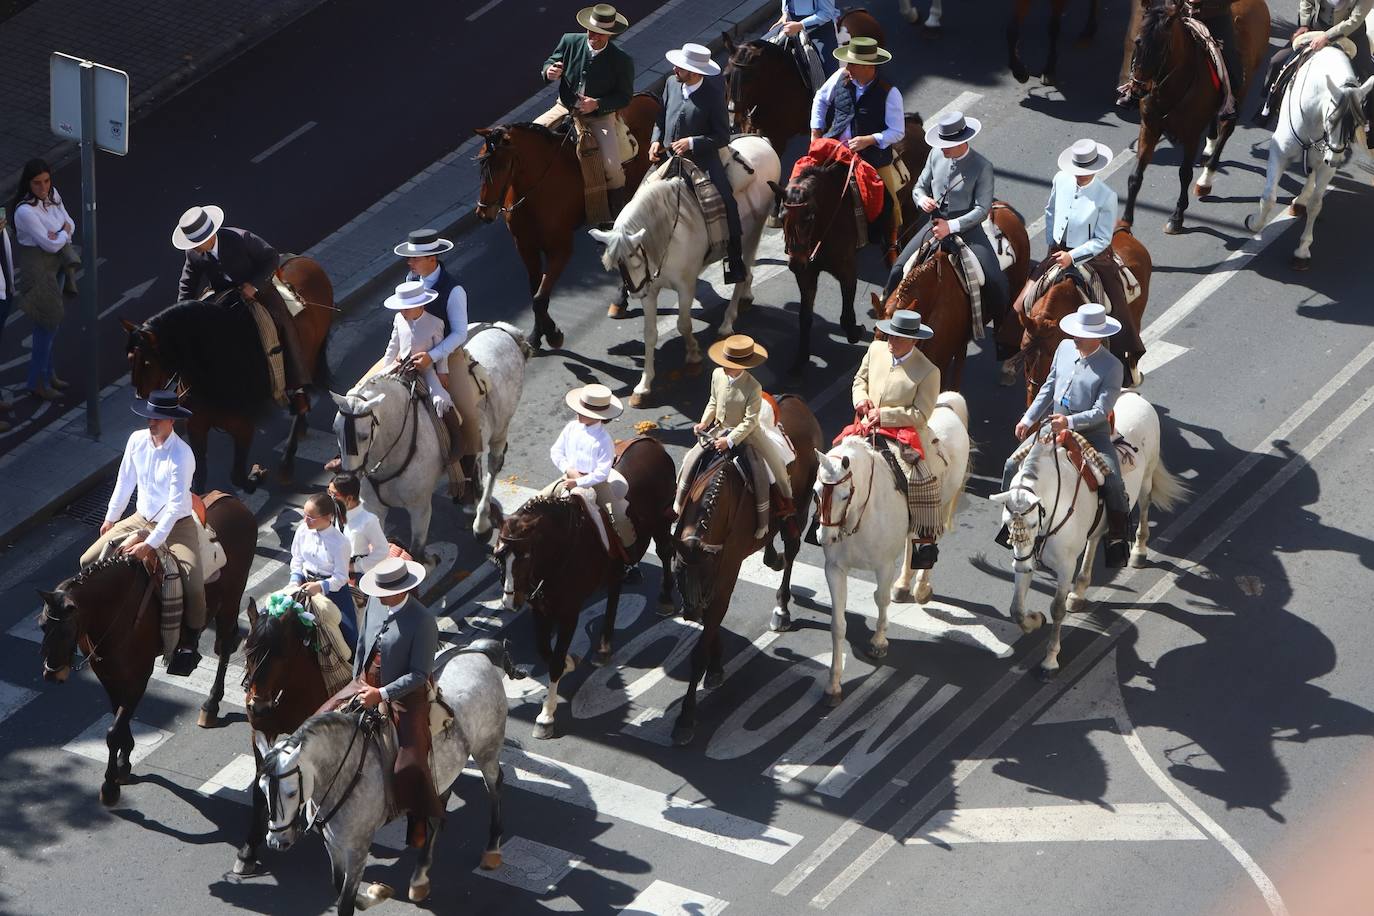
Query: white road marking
[483, 10]
[202, 679]
[1132, 823]
[531, 866]
[12, 698]
[91, 742]
[962, 102]
[130, 294]
[684, 820]
[233, 781]
[34, 556]
[28, 628]
[276, 147]
[1160, 353]
[664, 899]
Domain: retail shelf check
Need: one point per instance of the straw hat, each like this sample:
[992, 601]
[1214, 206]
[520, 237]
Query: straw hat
[1090, 321]
[595, 401]
[862, 51]
[906, 323]
[952, 129]
[196, 225]
[409, 295]
[1085, 157]
[739, 351]
[391, 576]
[423, 243]
[602, 18]
[694, 57]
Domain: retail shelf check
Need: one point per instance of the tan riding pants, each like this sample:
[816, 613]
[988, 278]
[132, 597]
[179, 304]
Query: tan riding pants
[600, 495]
[893, 182]
[462, 389]
[184, 542]
[603, 128]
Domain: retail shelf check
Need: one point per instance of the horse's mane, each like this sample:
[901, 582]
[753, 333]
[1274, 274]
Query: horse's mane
[710, 496]
[539, 130]
[745, 53]
[654, 208]
[217, 354]
[96, 568]
[535, 510]
[906, 289]
[264, 637]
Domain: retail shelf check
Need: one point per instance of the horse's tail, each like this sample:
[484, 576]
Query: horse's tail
[1166, 490]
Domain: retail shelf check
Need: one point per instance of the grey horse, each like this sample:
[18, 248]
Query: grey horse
[331, 774]
[396, 449]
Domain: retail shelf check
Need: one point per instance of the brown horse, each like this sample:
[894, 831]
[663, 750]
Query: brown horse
[211, 350]
[1041, 321]
[112, 610]
[530, 175]
[714, 536]
[820, 234]
[1172, 74]
[765, 89]
[1020, 10]
[933, 289]
[554, 560]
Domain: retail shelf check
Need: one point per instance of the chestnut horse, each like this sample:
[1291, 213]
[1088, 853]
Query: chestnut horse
[765, 89]
[820, 234]
[933, 289]
[1171, 72]
[112, 610]
[553, 559]
[714, 536]
[530, 175]
[1041, 321]
[1020, 10]
[211, 350]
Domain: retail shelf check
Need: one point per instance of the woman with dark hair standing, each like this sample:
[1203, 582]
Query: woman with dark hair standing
[43, 230]
[319, 559]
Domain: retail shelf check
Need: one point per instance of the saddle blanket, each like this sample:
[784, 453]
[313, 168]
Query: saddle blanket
[1219, 78]
[271, 345]
[966, 267]
[708, 198]
[1091, 279]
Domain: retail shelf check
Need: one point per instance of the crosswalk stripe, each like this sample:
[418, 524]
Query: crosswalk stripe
[1056, 824]
[233, 781]
[12, 698]
[664, 899]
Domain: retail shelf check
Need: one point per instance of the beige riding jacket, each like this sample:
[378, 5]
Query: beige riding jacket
[905, 393]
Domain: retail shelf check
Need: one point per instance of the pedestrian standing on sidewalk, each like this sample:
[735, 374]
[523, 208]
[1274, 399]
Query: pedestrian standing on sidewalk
[7, 296]
[43, 230]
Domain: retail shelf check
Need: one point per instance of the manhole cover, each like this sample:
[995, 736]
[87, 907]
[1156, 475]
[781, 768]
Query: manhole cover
[90, 508]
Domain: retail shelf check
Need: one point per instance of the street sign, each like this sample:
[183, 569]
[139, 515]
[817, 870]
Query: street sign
[111, 102]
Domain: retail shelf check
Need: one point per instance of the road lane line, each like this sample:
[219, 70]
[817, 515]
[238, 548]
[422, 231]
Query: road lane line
[664, 899]
[616, 798]
[12, 698]
[276, 147]
[483, 10]
[1131, 823]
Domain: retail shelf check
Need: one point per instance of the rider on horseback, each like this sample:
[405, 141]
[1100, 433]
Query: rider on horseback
[864, 112]
[693, 122]
[894, 395]
[595, 80]
[1216, 16]
[1081, 389]
[1331, 21]
[819, 19]
[222, 257]
[161, 466]
[736, 399]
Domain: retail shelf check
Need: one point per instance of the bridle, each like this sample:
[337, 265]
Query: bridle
[1140, 88]
[839, 205]
[257, 661]
[651, 275]
[484, 172]
[91, 652]
[366, 724]
[411, 421]
[828, 489]
[1353, 116]
[574, 524]
[1017, 527]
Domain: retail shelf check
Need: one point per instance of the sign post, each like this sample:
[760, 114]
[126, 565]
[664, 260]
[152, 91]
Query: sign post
[90, 103]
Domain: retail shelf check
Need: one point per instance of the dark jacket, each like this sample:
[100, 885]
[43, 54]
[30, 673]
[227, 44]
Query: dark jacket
[243, 258]
[701, 116]
[609, 77]
[407, 637]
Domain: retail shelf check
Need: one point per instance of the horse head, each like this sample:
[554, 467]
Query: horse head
[1151, 54]
[528, 542]
[353, 427]
[145, 367]
[496, 165]
[624, 251]
[705, 530]
[1023, 513]
[276, 647]
[282, 782]
[1343, 114]
[836, 488]
[741, 78]
[60, 622]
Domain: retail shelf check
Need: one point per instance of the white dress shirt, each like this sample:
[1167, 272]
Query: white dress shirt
[33, 222]
[366, 539]
[8, 255]
[457, 310]
[162, 474]
[892, 110]
[322, 553]
[1080, 218]
[587, 450]
[409, 338]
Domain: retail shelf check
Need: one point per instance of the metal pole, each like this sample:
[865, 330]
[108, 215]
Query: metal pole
[89, 257]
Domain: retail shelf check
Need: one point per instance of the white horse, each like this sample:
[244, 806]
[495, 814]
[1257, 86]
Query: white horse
[913, 15]
[1051, 516]
[394, 445]
[659, 240]
[1323, 118]
[863, 521]
[332, 775]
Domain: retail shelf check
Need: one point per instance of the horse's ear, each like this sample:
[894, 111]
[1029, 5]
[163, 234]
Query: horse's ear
[1364, 89]
[999, 498]
[637, 237]
[729, 42]
[778, 191]
[601, 235]
[49, 598]
[371, 403]
[877, 301]
[128, 325]
[252, 610]
[1335, 88]
[482, 132]
[340, 400]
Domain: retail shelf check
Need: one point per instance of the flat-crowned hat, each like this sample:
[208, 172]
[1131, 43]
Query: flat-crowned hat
[952, 129]
[595, 401]
[906, 323]
[196, 225]
[1091, 320]
[862, 51]
[1085, 157]
[410, 294]
[162, 404]
[391, 576]
[602, 18]
[738, 351]
[694, 57]
[422, 243]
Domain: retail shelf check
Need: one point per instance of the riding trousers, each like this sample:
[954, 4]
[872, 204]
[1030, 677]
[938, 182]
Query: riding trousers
[184, 543]
[603, 128]
[1113, 489]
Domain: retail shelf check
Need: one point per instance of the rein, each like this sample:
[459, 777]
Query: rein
[1038, 545]
[318, 822]
[827, 497]
[93, 654]
[484, 167]
[839, 205]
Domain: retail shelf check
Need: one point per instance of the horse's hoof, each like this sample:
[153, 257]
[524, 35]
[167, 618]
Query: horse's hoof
[854, 333]
[924, 592]
[667, 609]
[1032, 622]
[1201, 190]
[375, 893]
[1297, 210]
[1020, 74]
[903, 596]
[109, 794]
[543, 731]
[1045, 675]
[419, 893]
[639, 400]
[491, 860]
[713, 679]
[207, 719]
[1173, 227]
[615, 310]
[877, 650]
[912, 16]
[780, 622]
[1249, 222]
[774, 561]
[1048, 79]
[683, 735]
[1300, 263]
[555, 339]
[692, 369]
[1139, 559]
[600, 658]
[247, 868]
[833, 700]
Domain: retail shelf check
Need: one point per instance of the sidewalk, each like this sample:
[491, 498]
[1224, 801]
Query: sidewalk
[162, 44]
[46, 472]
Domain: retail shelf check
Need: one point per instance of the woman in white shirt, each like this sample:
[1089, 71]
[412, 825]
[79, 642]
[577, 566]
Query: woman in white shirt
[319, 559]
[367, 542]
[43, 230]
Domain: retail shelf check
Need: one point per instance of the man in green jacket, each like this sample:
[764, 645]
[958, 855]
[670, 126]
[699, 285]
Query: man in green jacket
[595, 80]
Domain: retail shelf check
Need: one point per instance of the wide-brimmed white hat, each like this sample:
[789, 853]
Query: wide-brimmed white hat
[1085, 157]
[595, 401]
[694, 57]
[391, 576]
[423, 242]
[1091, 320]
[410, 294]
[951, 129]
[196, 225]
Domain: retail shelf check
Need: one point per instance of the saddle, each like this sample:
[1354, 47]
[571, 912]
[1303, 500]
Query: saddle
[1216, 65]
[966, 268]
[1090, 465]
[805, 57]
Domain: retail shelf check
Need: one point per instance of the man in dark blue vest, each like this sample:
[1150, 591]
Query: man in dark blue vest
[693, 123]
[861, 110]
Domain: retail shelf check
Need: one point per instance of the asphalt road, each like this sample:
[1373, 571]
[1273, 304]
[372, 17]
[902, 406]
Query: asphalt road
[1205, 726]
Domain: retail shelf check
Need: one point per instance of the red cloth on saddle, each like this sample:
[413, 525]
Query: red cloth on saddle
[871, 189]
[906, 435]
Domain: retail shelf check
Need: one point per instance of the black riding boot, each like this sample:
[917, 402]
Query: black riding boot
[923, 556]
[1118, 551]
[734, 261]
[615, 202]
[187, 655]
[813, 534]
